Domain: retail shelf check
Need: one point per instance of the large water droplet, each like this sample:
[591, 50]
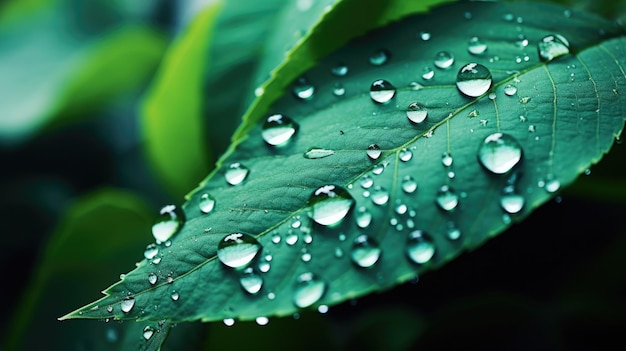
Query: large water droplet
[237, 250]
[278, 129]
[409, 185]
[444, 59]
[363, 217]
[250, 281]
[303, 90]
[380, 57]
[382, 91]
[236, 173]
[420, 247]
[329, 204]
[365, 251]
[168, 223]
[499, 153]
[447, 198]
[127, 304]
[308, 290]
[316, 152]
[552, 46]
[473, 80]
[373, 151]
[380, 195]
[148, 331]
[416, 113]
[206, 203]
[476, 47]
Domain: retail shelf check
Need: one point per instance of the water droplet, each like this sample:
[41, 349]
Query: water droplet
[308, 290]
[206, 203]
[473, 113]
[473, 80]
[127, 304]
[262, 320]
[447, 198]
[236, 173]
[508, 17]
[380, 195]
[250, 281]
[110, 309]
[264, 267]
[338, 89]
[373, 152]
[378, 169]
[303, 90]
[366, 181]
[291, 238]
[338, 252]
[511, 202]
[237, 250]
[552, 185]
[340, 70]
[522, 41]
[444, 59]
[380, 57]
[453, 233]
[229, 322]
[420, 247]
[405, 155]
[416, 113]
[306, 256]
[446, 159]
[175, 295]
[322, 309]
[152, 278]
[524, 100]
[510, 89]
[365, 251]
[278, 129]
[150, 251]
[148, 331]
[363, 217]
[382, 91]
[316, 152]
[428, 73]
[409, 185]
[329, 204]
[552, 46]
[168, 223]
[499, 153]
[425, 36]
[476, 47]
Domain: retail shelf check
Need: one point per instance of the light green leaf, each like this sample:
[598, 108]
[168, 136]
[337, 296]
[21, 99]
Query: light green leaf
[50, 73]
[563, 116]
[171, 114]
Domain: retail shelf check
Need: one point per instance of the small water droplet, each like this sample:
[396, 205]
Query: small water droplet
[329, 204]
[552, 46]
[492, 96]
[262, 320]
[453, 233]
[206, 203]
[340, 70]
[338, 89]
[237, 250]
[444, 59]
[250, 281]
[510, 89]
[416, 113]
[447, 198]
[291, 238]
[446, 159]
[308, 290]
[476, 47]
[409, 185]
[378, 169]
[322, 309]
[127, 304]
[405, 155]
[366, 181]
[380, 57]
[365, 251]
[499, 153]
[168, 223]
[511, 202]
[236, 173]
[380, 195]
[363, 217]
[175, 295]
[156, 260]
[229, 322]
[373, 152]
[428, 73]
[151, 251]
[148, 331]
[552, 185]
[524, 100]
[278, 129]
[425, 36]
[152, 278]
[522, 41]
[316, 152]
[508, 17]
[473, 113]
[473, 80]
[303, 90]
[420, 247]
[338, 252]
[264, 267]
[110, 309]
[382, 91]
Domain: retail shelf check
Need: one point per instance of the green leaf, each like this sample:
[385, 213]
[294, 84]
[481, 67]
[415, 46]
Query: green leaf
[51, 74]
[171, 114]
[572, 108]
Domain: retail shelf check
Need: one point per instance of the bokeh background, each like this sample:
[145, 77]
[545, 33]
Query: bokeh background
[79, 191]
